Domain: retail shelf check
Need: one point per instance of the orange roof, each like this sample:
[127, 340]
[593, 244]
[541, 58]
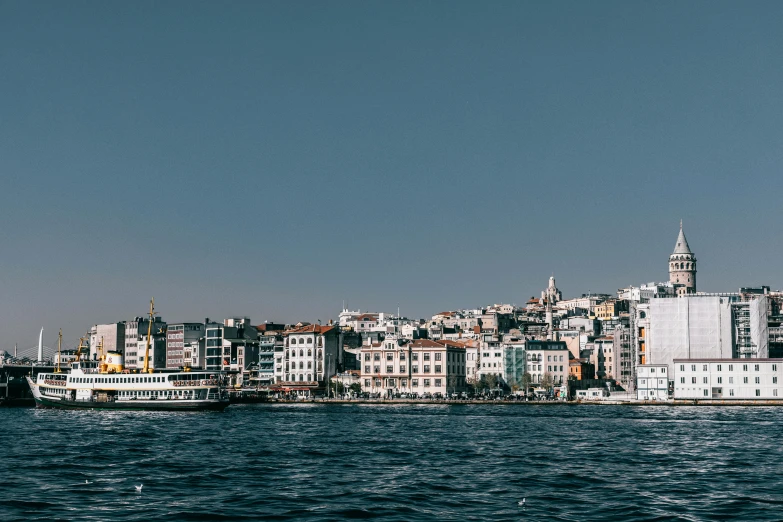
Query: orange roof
[367, 317]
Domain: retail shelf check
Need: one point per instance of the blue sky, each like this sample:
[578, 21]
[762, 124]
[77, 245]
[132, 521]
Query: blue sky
[271, 159]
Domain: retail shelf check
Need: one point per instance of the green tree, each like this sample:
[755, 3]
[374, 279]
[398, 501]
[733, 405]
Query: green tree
[356, 388]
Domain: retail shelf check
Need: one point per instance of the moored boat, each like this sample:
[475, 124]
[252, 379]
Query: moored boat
[108, 385]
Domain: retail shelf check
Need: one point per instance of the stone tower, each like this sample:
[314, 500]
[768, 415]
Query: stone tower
[682, 266]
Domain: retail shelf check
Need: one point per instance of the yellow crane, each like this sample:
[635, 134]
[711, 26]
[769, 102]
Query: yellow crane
[147, 368]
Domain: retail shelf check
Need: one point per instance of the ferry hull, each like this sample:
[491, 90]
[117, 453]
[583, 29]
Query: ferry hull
[162, 405]
[44, 401]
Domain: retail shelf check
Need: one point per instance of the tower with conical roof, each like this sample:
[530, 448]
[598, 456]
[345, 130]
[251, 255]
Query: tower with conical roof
[682, 266]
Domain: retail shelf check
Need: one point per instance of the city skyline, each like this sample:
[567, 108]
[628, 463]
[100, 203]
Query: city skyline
[420, 155]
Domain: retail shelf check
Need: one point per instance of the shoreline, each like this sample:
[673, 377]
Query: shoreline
[624, 402]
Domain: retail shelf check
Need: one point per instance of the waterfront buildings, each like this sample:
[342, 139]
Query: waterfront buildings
[418, 366]
[185, 345]
[112, 335]
[135, 330]
[652, 382]
[728, 379]
[311, 355]
[547, 358]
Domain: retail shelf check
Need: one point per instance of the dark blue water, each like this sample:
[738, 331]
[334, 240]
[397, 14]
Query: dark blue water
[403, 462]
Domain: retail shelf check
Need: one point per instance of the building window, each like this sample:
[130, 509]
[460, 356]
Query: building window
[682, 380]
[367, 369]
[415, 368]
[389, 356]
[682, 367]
[693, 380]
[705, 380]
[719, 367]
[414, 382]
[402, 369]
[720, 380]
[390, 369]
[426, 356]
[731, 393]
[426, 382]
[744, 367]
[402, 356]
[438, 382]
[774, 367]
[376, 356]
[774, 380]
[437, 356]
[731, 367]
[426, 368]
[745, 380]
[404, 382]
[775, 393]
[758, 393]
[705, 393]
[704, 368]
[758, 380]
[731, 380]
[437, 368]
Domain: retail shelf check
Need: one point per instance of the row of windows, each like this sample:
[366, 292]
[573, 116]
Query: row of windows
[540, 358]
[706, 393]
[414, 356]
[719, 367]
[705, 380]
[116, 380]
[414, 368]
[403, 382]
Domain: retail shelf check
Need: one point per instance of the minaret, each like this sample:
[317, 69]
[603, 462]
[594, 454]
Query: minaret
[551, 296]
[682, 266]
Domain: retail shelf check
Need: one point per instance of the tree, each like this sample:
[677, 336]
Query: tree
[526, 380]
[356, 388]
[453, 382]
[336, 387]
[492, 380]
[547, 382]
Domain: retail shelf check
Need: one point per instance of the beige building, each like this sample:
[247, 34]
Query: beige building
[416, 366]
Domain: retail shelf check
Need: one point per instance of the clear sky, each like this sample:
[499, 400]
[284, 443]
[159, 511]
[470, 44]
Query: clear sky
[271, 159]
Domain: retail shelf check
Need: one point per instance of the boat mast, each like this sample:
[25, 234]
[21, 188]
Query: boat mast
[149, 334]
[59, 351]
[79, 350]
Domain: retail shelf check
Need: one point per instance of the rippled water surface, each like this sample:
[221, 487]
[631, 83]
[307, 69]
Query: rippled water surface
[401, 462]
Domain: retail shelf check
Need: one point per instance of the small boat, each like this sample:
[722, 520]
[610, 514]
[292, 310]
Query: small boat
[108, 385]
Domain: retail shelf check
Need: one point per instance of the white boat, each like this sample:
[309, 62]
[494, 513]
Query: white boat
[88, 388]
[108, 385]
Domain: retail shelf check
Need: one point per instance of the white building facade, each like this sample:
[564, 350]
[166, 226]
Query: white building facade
[747, 379]
[652, 382]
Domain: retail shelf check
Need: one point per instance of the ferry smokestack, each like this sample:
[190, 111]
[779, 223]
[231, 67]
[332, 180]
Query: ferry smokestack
[40, 346]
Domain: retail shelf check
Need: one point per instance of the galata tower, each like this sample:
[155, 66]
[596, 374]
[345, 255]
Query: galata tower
[682, 266]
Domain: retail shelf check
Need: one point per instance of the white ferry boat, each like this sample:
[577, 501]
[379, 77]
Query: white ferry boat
[87, 388]
[108, 385]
